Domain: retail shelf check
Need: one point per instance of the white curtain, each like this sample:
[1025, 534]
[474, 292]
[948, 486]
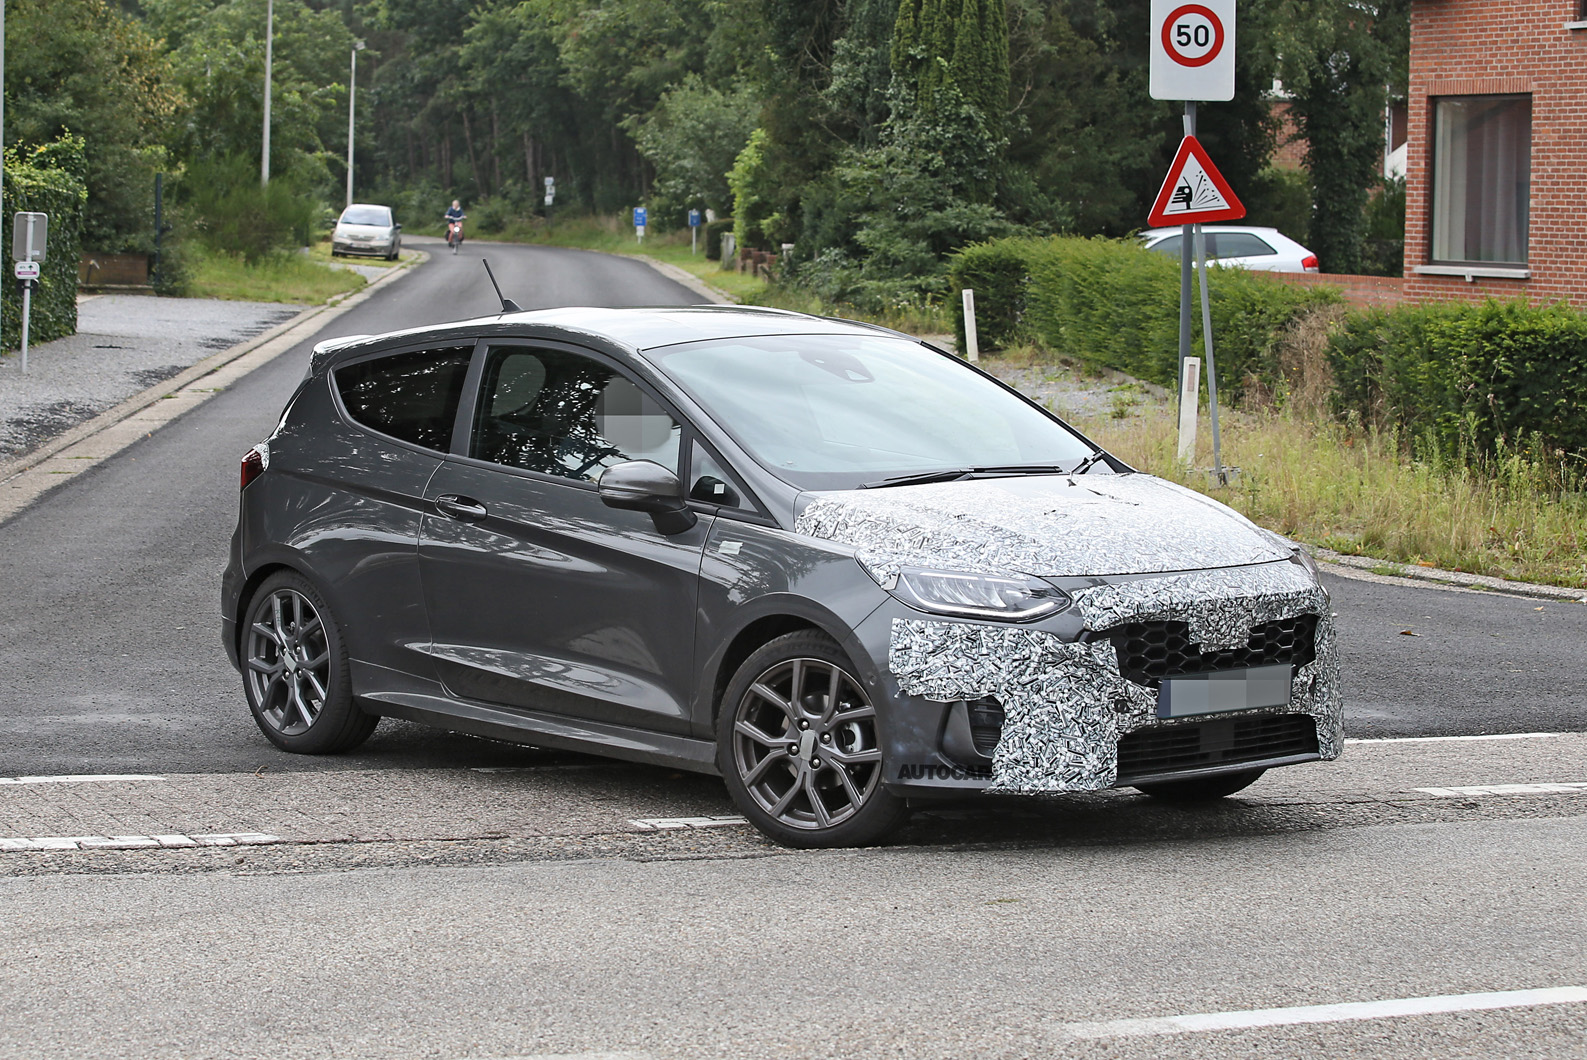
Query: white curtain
[1482, 179]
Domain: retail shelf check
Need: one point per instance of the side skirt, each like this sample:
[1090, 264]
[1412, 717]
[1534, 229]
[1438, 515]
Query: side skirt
[545, 730]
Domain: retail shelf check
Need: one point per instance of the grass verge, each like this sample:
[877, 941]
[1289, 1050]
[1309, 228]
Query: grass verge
[1357, 492]
[284, 277]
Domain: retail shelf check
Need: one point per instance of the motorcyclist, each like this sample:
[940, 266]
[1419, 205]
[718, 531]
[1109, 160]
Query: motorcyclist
[454, 224]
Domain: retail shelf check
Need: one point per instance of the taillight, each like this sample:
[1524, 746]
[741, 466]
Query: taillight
[254, 463]
[1309, 263]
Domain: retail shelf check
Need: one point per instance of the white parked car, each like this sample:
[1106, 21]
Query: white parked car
[365, 228]
[1252, 247]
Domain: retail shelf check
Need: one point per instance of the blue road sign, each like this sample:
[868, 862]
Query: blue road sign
[694, 218]
[639, 216]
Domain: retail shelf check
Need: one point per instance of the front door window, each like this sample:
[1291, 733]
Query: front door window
[565, 414]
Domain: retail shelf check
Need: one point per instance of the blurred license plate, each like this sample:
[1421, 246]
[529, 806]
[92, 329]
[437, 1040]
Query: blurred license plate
[1260, 686]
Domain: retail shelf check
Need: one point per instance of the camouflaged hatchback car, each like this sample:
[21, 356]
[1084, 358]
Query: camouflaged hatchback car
[842, 569]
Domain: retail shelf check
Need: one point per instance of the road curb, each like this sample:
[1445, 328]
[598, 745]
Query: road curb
[25, 479]
[688, 279]
[1446, 579]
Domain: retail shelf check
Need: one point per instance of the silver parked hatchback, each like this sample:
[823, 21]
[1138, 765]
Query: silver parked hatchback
[842, 569]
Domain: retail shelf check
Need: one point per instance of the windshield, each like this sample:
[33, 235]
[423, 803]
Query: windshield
[367, 215]
[838, 411]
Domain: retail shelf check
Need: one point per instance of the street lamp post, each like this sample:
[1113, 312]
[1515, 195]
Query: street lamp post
[352, 90]
[270, 33]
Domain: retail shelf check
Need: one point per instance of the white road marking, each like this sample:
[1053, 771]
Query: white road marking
[662, 824]
[79, 778]
[1461, 739]
[1507, 789]
[583, 1056]
[137, 842]
[1361, 1010]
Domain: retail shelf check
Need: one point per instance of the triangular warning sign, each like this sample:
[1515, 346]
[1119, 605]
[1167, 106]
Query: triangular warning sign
[1195, 192]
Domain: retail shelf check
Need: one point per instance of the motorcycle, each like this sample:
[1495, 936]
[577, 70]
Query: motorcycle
[454, 233]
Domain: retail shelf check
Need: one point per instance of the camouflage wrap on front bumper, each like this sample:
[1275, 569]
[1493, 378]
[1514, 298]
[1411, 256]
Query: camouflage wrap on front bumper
[1066, 704]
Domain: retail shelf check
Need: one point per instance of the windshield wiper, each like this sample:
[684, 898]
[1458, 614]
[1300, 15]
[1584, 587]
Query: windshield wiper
[955, 474]
[951, 475]
[1088, 463]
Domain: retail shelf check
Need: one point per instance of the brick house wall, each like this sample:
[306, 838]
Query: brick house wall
[1535, 48]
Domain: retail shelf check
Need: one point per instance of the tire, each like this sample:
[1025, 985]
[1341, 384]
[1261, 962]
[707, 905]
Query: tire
[295, 670]
[802, 764]
[1201, 789]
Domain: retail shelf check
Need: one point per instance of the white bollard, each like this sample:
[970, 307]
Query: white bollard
[1189, 392]
[972, 348]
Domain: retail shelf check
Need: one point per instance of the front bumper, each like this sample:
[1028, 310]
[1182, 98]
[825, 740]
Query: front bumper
[374, 250]
[1072, 718]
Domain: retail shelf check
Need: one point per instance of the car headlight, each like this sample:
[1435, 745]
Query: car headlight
[1013, 599]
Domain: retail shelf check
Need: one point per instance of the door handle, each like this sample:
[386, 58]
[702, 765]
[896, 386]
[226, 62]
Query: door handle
[465, 508]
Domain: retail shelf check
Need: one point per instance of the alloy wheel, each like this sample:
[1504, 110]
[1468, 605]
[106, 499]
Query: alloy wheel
[804, 744]
[289, 662]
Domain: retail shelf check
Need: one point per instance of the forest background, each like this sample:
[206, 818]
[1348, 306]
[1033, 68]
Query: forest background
[876, 136]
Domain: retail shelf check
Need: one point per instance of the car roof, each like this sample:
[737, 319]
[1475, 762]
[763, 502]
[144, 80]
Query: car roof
[637, 327]
[1152, 233]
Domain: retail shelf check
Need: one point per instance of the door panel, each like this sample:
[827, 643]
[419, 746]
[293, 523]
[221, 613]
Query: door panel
[540, 597]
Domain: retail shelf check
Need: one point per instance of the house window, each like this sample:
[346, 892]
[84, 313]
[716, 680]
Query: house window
[1482, 179]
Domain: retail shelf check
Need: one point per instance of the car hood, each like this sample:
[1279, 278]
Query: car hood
[1046, 525]
[363, 230]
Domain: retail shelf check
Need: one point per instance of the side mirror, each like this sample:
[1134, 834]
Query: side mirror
[397, 227]
[646, 486]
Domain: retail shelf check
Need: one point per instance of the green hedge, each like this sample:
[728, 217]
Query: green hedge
[1468, 376]
[48, 179]
[1116, 305]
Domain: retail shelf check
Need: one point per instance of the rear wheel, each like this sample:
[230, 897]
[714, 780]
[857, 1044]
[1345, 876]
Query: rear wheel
[1201, 789]
[295, 670]
[798, 747]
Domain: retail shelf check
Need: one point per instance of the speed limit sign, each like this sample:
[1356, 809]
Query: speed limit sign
[1192, 50]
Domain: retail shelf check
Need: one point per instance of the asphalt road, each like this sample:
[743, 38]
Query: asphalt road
[111, 655]
[440, 896]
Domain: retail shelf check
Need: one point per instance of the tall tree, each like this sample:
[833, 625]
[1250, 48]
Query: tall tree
[84, 67]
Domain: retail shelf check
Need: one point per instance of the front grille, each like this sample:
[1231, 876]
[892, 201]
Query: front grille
[1151, 651]
[1225, 741]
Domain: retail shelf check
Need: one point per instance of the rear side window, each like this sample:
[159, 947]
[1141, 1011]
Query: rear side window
[411, 396]
[1238, 245]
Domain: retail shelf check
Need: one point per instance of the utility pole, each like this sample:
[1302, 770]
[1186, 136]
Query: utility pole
[352, 90]
[270, 34]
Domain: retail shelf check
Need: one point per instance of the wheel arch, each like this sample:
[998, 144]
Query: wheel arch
[256, 578]
[775, 622]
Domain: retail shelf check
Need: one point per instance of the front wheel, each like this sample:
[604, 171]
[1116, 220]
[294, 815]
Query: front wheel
[798, 747]
[1201, 789]
[295, 670]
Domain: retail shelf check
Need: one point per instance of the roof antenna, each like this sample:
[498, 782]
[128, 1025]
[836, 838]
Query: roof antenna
[507, 304]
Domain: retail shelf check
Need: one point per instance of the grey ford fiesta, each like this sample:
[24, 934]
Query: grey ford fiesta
[842, 569]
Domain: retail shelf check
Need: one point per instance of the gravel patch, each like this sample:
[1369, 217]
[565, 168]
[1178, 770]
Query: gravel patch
[1075, 393]
[124, 344]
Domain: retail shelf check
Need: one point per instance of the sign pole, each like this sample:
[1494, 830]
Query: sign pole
[1212, 371]
[27, 311]
[1184, 270]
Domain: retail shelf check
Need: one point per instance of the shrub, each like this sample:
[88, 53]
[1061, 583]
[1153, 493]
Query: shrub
[1116, 305]
[232, 214]
[50, 180]
[1470, 379]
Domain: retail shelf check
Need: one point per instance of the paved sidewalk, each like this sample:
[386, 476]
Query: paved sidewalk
[124, 345]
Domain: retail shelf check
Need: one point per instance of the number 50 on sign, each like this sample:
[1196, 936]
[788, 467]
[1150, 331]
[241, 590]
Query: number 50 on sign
[1192, 49]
